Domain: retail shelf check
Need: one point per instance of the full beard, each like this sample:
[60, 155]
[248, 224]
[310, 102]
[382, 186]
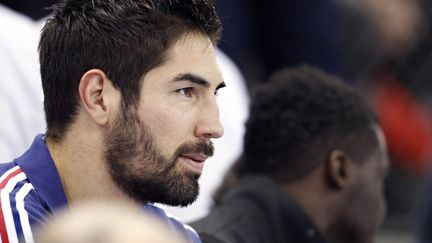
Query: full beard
[140, 170]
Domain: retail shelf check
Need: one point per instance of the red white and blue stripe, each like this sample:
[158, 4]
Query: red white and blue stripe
[15, 221]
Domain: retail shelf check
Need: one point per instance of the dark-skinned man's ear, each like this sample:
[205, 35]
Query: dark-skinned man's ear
[340, 169]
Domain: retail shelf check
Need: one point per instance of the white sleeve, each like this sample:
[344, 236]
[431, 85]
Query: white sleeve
[21, 97]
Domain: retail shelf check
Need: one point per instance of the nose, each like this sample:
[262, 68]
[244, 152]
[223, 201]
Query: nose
[209, 125]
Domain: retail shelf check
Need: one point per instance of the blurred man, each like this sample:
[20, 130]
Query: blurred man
[312, 169]
[129, 97]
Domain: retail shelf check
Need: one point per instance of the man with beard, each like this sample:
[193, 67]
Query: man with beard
[129, 98]
[312, 168]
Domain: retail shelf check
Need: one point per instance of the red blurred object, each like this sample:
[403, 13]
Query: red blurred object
[406, 123]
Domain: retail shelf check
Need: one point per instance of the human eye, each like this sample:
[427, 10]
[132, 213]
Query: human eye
[187, 92]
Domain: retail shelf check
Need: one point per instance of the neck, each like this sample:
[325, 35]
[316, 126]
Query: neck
[82, 168]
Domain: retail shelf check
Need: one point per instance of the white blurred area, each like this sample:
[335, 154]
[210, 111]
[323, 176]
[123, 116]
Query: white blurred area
[21, 98]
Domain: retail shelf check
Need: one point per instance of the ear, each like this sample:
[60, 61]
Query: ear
[340, 169]
[97, 95]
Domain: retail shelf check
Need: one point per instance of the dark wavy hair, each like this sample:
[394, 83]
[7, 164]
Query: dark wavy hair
[124, 38]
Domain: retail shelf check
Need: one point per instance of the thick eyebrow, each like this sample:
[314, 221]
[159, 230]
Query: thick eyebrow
[196, 79]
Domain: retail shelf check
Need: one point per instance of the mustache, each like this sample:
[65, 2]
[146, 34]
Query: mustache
[203, 147]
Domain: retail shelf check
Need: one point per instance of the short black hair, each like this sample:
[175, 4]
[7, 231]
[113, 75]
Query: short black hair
[298, 117]
[124, 38]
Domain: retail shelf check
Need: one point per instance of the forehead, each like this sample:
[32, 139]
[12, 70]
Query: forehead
[194, 44]
[191, 53]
